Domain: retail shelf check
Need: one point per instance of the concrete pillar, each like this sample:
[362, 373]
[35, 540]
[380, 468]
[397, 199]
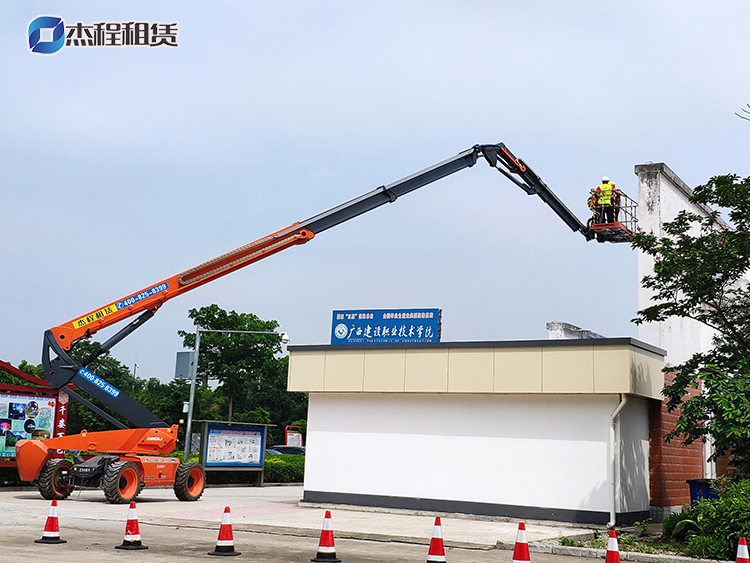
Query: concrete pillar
[661, 196]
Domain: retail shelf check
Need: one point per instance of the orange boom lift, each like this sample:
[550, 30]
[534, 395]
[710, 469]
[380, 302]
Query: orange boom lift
[126, 460]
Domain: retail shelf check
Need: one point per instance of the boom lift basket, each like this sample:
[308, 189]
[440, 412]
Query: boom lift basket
[624, 227]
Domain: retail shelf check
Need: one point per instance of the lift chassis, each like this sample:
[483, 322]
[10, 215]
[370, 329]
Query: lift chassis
[124, 461]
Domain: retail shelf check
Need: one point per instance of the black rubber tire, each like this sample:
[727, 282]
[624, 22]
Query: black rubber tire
[49, 480]
[140, 488]
[112, 482]
[184, 484]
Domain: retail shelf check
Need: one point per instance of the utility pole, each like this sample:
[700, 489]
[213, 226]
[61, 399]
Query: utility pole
[192, 392]
[283, 336]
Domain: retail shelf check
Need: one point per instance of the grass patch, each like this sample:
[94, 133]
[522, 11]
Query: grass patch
[639, 540]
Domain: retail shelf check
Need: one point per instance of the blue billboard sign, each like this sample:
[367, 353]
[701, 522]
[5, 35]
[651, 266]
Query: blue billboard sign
[235, 446]
[385, 326]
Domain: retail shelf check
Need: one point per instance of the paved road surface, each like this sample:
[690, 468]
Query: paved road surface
[269, 526]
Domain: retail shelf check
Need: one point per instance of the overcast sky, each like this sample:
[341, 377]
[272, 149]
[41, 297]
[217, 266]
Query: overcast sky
[120, 167]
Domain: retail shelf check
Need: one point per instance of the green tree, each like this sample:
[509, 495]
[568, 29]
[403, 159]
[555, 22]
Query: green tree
[700, 273]
[25, 367]
[250, 372]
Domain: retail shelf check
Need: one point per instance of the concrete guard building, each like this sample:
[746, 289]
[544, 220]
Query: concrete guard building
[539, 429]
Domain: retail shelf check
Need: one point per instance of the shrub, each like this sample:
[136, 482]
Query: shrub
[716, 525]
[284, 468]
[669, 523]
[710, 547]
[9, 477]
[566, 541]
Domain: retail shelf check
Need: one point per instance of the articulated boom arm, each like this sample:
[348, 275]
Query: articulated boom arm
[61, 370]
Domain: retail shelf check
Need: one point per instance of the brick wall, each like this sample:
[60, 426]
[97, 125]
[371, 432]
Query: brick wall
[671, 464]
[723, 466]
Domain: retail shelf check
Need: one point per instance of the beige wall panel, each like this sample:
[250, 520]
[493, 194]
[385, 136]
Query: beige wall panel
[612, 369]
[470, 370]
[518, 370]
[306, 371]
[646, 376]
[385, 370]
[602, 369]
[345, 370]
[427, 371]
[568, 370]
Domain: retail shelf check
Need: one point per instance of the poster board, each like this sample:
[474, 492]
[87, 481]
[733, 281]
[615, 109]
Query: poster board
[232, 446]
[294, 439]
[25, 417]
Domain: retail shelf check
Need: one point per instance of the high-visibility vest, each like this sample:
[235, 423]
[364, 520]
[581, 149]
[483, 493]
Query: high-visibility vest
[605, 194]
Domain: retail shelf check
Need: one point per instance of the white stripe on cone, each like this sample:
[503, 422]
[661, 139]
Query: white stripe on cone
[224, 542]
[521, 536]
[612, 544]
[226, 519]
[437, 532]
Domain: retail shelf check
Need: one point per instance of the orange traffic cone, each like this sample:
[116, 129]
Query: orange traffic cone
[225, 543]
[326, 548]
[613, 551]
[742, 555]
[521, 549]
[437, 550]
[132, 531]
[51, 532]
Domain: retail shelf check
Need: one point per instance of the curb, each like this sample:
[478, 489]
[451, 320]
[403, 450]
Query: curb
[584, 535]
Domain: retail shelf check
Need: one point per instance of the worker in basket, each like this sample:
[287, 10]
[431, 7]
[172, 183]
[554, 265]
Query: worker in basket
[616, 201]
[593, 204]
[604, 200]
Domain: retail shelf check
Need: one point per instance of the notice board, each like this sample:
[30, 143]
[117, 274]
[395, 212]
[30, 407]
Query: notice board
[226, 445]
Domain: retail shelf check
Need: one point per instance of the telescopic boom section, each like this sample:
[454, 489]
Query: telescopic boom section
[154, 296]
[60, 370]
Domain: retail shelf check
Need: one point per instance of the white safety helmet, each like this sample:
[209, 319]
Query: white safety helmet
[605, 180]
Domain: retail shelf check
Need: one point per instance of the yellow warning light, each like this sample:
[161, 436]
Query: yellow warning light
[83, 433]
[182, 421]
